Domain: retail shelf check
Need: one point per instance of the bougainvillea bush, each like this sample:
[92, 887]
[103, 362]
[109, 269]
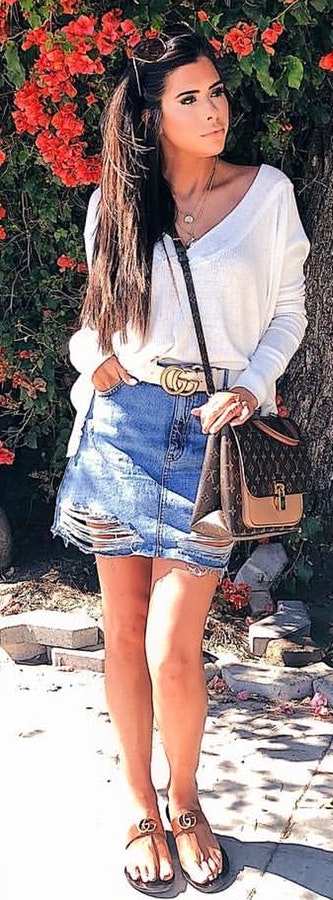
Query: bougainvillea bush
[60, 61]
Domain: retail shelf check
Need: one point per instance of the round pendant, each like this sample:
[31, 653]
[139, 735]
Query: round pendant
[188, 219]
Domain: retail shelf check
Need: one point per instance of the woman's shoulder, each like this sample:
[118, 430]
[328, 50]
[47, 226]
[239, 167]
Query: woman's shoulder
[271, 174]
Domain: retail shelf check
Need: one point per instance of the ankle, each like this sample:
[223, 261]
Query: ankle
[142, 802]
[182, 797]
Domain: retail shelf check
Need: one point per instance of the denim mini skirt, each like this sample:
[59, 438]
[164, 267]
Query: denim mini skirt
[130, 488]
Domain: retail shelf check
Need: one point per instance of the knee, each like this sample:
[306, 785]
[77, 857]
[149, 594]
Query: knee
[123, 638]
[172, 666]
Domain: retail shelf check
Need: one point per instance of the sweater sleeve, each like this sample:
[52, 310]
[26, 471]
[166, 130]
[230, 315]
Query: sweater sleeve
[84, 351]
[287, 326]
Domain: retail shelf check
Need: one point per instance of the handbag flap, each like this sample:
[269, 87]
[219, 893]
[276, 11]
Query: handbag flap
[266, 460]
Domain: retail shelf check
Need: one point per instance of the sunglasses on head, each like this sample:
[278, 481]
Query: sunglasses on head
[151, 50]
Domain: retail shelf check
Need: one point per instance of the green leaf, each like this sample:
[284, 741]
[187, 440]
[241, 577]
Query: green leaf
[245, 63]
[295, 71]
[31, 440]
[35, 20]
[261, 64]
[215, 20]
[320, 5]
[15, 70]
[301, 14]
[22, 156]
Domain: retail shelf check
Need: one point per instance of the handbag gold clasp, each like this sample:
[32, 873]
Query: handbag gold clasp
[279, 495]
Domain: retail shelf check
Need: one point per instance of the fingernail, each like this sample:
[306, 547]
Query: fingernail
[132, 381]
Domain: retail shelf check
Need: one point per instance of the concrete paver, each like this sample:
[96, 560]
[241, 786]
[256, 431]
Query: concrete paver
[265, 778]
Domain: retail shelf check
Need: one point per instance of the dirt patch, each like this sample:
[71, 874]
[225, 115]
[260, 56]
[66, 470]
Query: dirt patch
[68, 584]
[57, 584]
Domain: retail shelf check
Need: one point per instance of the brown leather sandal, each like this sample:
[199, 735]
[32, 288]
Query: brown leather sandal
[186, 823]
[151, 888]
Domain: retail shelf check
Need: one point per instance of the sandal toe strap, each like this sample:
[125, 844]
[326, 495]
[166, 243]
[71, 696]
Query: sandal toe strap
[144, 828]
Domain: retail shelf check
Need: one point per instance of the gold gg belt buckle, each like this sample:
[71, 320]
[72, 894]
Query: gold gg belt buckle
[175, 380]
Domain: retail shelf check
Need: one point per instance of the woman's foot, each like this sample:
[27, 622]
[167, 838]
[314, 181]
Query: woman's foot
[199, 851]
[147, 856]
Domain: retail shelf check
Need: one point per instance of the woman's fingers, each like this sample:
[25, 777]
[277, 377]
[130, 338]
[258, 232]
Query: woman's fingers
[224, 407]
[244, 415]
[218, 410]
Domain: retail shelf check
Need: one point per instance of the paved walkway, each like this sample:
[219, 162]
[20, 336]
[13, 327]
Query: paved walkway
[266, 779]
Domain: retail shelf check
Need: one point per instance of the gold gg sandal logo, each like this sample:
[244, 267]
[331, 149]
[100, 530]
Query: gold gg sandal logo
[146, 826]
[187, 820]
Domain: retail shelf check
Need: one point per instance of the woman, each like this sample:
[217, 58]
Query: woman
[137, 448]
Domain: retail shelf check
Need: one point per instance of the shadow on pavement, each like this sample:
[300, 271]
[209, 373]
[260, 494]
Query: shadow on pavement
[306, 866]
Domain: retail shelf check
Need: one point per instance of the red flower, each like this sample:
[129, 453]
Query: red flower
[84, 26]
[270, 36]
[66, 262]
[237, 594]
[104, 43]
[81, 64]
[2, 212]
[90, 99]
[151, 33]
[326, 62]
[202, 15]
[127, 26]
[241, 38]
[2, 157]
[36, 37]
[6, 456]
[82, 267]
[3, 234]
[24, 354]
[66, 124]
[70, 6]
[133, 39]
[33, 116]
[216, 44]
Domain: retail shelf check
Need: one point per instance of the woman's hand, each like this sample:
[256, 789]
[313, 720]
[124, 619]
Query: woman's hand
[234, 406]
[109, 373]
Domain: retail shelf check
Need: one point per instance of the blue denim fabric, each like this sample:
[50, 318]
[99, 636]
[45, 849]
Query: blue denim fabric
[131, 485]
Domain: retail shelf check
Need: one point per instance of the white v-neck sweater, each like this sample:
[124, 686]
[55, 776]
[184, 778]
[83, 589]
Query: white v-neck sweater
[249, 281]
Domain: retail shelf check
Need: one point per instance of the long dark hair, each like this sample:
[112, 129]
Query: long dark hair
[136, 205]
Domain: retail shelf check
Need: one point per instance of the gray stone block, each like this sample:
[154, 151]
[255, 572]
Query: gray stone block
[260, 602]
[264, 565]
[284, 624]
[49, 627]
[13, 629]
[274, 684]
[78, 659]
[295, 654]
[24, 651]
[291, 606]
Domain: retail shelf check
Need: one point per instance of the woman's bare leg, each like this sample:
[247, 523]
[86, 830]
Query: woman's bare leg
[177, 613]
[125, 587]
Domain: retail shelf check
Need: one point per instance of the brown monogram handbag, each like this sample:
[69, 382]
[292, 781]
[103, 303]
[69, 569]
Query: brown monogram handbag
[253, 475]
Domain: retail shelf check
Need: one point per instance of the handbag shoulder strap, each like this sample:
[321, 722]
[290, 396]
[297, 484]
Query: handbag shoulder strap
[183, 259]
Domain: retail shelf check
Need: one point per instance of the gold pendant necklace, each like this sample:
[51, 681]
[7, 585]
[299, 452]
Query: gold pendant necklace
[190, 218]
